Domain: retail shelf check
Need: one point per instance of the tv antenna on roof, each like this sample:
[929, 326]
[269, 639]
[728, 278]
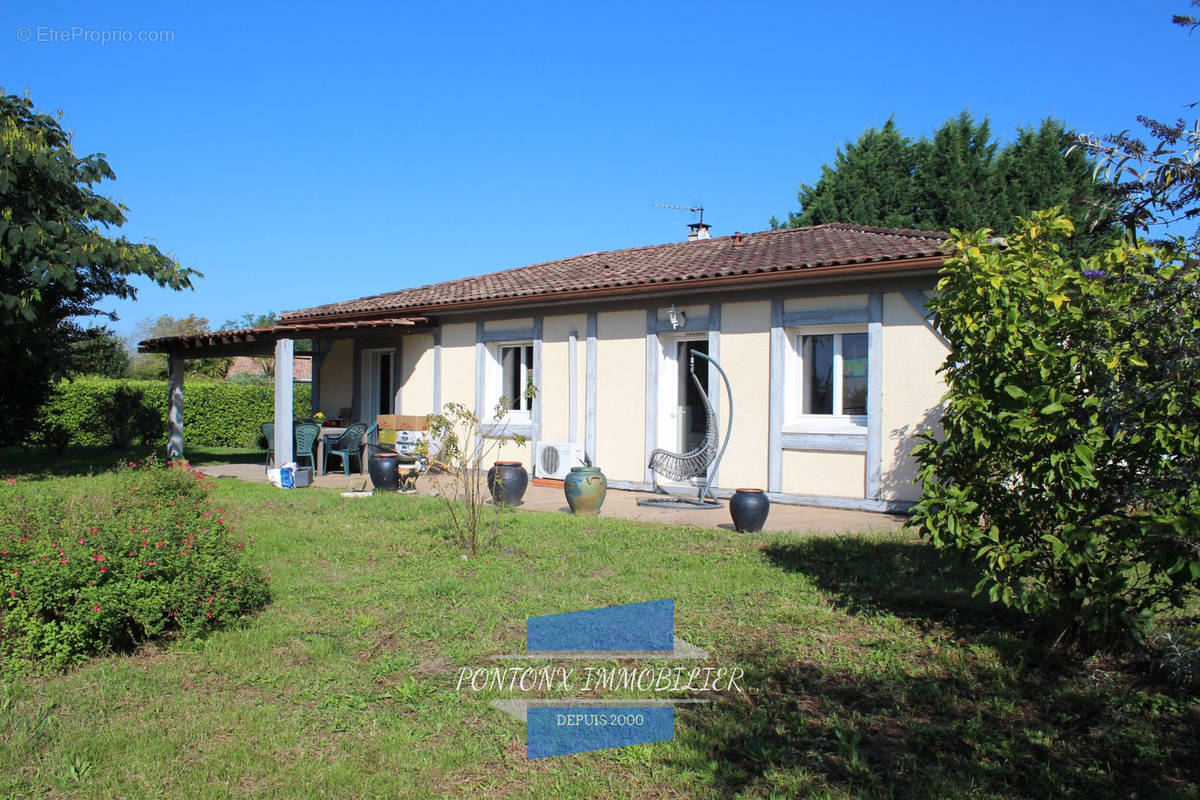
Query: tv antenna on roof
[699, 229]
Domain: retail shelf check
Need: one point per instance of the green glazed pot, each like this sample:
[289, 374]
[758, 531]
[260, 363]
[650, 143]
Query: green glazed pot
[585, 488]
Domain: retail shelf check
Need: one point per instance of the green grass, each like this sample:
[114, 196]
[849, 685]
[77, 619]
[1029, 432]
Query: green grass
[870, 672]
[42, 462]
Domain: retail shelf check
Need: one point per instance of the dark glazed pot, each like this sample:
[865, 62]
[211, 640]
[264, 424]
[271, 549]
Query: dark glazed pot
[507, 481]
[382, 468]
[585, 488]
[749, 509]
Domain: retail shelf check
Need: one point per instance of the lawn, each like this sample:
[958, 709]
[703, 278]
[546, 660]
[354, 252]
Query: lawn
[870, 672]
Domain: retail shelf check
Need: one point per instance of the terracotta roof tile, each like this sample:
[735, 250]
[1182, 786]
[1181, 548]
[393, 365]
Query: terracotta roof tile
[767, 253]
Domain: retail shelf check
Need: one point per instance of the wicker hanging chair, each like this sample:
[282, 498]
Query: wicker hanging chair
[697, 461]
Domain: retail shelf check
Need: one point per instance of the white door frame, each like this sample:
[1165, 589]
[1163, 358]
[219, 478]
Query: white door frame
[370, 388]
[670, 371]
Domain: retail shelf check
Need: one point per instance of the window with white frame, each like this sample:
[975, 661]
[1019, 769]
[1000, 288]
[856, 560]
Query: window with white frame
[827, 378]
[512, 377]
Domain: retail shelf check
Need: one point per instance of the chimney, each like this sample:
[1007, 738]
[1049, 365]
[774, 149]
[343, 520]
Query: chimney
[699, 230]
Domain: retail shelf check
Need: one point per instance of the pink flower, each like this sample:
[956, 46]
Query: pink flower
[95, 608]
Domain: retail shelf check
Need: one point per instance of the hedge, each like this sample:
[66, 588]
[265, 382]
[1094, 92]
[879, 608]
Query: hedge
[108, 412]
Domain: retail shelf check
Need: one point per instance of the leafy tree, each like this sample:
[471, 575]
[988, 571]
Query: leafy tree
[57, 258]
[251, 320]
[152, 366]
[99, 351]
[1040, 169]
[870, 183]
[1157, 182]
[949, 182]
[959, 179]
[1069, 466]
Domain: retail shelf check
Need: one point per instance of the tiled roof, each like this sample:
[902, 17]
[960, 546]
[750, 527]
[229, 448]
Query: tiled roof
[768, 254]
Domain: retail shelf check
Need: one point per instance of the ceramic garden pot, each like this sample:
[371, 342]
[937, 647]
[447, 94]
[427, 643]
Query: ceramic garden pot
[585, 488]
[382, 469]
[408, 471]
[749, 509]
[508, 481]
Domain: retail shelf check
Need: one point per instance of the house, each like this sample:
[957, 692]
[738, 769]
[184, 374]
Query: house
[822, 331]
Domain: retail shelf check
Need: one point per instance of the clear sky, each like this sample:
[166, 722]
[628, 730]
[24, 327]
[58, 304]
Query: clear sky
[301, 153]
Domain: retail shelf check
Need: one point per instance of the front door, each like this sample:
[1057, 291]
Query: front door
[378, 395]
[682, 416]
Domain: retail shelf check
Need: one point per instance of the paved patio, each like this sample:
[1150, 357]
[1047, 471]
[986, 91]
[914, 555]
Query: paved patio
[623, 504]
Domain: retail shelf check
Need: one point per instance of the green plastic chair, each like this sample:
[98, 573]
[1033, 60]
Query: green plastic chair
[348, 445]
[306, 434]
[268, 432]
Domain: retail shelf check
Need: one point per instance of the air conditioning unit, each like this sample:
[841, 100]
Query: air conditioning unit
[555, 459]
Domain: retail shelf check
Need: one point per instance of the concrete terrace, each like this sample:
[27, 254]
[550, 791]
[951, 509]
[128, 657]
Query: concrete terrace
[622, 505]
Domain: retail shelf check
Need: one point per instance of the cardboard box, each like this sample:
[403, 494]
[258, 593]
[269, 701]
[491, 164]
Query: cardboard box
[400, 422]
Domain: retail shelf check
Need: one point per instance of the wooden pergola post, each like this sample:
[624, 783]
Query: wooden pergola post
[284, 352]
[175, 364]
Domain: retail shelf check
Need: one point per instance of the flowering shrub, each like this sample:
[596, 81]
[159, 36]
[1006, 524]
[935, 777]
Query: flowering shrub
[135, 555]
[1069, 464]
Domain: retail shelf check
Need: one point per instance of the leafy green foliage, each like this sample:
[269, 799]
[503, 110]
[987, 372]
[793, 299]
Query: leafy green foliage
[251, 320]
[1156, 182]
[151, 366]
[949, 178]
[100, 352]
[1069, 462]
[141, 555]
[457, 449]
[959, 179]
[113, 413]
[56, 261]
[870, 183]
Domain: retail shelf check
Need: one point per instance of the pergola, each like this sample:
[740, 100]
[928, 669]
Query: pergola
[277, 340]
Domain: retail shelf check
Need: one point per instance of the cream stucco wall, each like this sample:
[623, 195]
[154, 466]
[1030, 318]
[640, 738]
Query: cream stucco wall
[554, 392]
[820, 473]
[621, 394]
[337, 378]
[746, 357]
[912, 392]
[458, 364]
[416, 374]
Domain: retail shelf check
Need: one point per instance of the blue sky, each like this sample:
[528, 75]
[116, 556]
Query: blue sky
[303, 153]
